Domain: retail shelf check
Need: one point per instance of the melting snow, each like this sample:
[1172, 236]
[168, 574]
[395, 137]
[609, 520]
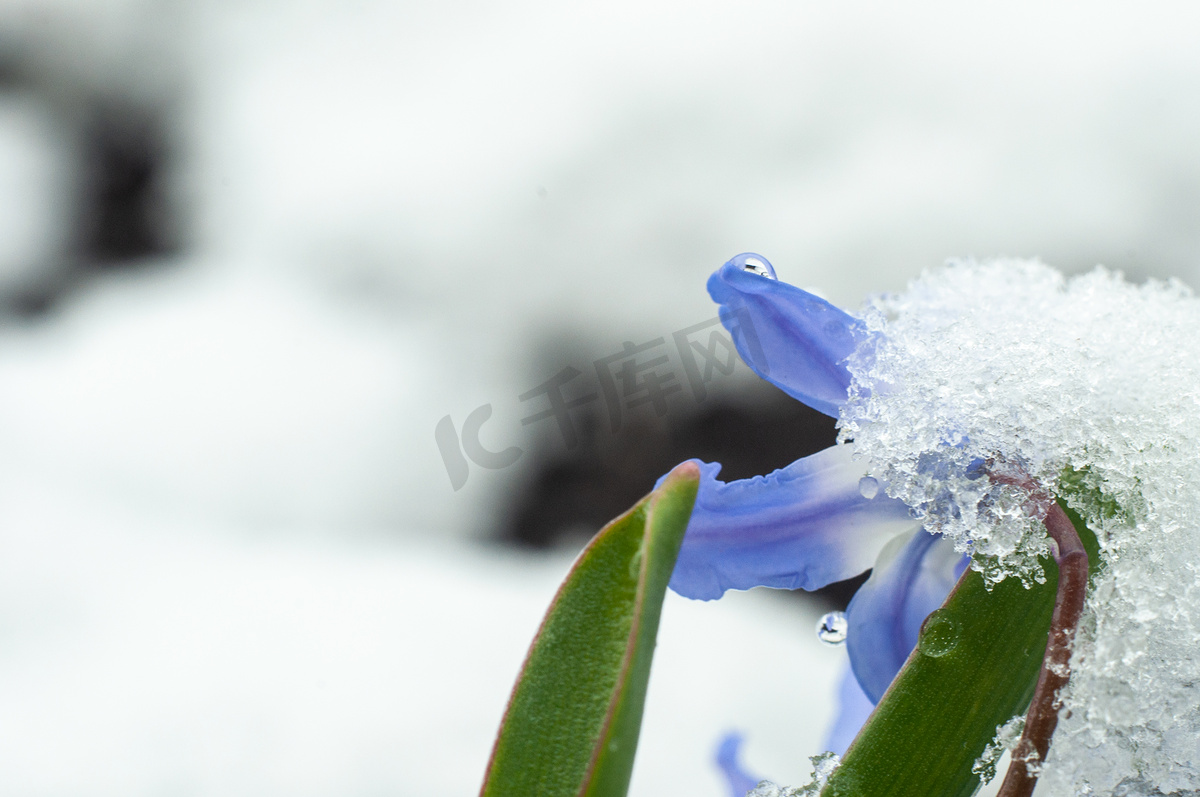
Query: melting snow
[1010, 363]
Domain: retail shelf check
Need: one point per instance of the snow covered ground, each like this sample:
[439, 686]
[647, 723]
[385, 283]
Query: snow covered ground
[210, 585]
[159, 655]
[231, 560]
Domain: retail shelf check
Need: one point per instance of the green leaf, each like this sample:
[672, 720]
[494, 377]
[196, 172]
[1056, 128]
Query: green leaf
[572, 723]
[974, 668]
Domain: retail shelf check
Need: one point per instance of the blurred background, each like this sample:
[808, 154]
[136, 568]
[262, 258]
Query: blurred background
[311, 318]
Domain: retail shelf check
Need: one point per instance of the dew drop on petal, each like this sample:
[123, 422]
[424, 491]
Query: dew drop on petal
[869, 487]
[755, 264]
[831, 629]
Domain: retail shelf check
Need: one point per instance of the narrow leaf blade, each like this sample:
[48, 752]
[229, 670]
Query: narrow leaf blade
[572, 723]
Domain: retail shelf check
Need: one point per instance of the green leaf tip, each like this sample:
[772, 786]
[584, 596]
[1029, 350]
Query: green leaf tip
[572, 722]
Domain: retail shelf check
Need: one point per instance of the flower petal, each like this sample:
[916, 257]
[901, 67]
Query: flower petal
[738, 779]
[801, 527]
[789, 337]
[912, 577]
[853, 709]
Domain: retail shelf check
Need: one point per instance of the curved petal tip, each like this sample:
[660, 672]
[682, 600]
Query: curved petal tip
[801, 527]
[728, 757]
[912, 577]
[793, 339]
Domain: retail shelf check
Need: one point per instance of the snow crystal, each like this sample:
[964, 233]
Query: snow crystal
[823, 766]
[1006, 738]
[1090, 385]
[766, 788]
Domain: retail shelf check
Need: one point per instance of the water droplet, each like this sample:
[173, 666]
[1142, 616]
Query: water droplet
[939, 635]
[869, 487]
[831, 629]
[755, 264]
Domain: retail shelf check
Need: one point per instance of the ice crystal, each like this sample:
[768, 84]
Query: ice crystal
[1090, 385]
[768, 789]
[1006, 738]
[823, 766]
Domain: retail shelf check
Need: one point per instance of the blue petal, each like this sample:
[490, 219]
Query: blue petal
[801, 527]
[789, 337]
[912, 578]
[738, 779]
[853, 709]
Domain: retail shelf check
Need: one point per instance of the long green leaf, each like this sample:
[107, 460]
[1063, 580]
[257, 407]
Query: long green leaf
[974, 668]
[572, 723]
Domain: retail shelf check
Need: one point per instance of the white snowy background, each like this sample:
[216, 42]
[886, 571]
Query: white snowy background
[231, 561]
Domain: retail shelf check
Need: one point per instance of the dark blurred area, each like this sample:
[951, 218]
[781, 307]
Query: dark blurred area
[121, 218]
[111, 159]
[124, 214]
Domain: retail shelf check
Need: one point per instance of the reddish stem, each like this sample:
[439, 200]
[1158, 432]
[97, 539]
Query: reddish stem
[1042, 719]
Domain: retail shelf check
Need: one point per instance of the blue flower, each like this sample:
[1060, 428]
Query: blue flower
[822, 518]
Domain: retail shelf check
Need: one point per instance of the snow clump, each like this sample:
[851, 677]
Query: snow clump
[1090, 386]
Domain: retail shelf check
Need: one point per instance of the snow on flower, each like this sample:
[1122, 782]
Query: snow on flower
[823, 518]
[1088, 385]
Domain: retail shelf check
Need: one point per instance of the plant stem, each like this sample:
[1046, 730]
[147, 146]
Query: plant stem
[1040, 722]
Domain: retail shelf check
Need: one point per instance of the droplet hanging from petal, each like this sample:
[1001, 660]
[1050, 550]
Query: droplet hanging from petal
[831, 629]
